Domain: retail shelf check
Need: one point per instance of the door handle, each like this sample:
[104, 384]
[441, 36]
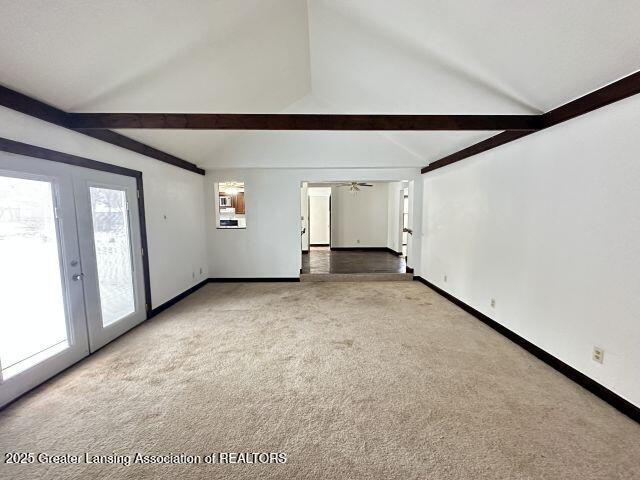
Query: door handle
[77, 276]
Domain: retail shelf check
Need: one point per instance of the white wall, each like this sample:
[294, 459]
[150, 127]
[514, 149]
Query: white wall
[359, 220]
[174, 204]
[270, 245]
[302, 149]
[549, 226]
[319, 216]
[394, 216]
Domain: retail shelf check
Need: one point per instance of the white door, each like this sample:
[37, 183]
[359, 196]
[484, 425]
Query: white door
[111, 252]
[319, 220]
[42, 313]
[71, 274]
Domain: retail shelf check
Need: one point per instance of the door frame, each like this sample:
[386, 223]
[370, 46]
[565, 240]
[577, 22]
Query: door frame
[403, 227]
[330, 229]
[19, 148]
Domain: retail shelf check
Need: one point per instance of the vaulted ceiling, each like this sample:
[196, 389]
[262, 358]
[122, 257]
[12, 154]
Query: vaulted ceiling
[315, 56]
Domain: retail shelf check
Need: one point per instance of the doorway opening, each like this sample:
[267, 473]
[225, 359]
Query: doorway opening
[352, 230]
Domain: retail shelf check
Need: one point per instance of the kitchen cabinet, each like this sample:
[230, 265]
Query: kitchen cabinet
[237, 202]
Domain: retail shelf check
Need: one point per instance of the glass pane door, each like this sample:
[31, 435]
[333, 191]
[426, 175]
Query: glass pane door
[111, 252]
[30, 331]
[112, 243]
[71, 269]
[42, 318]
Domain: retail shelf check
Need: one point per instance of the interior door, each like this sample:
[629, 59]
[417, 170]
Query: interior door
[319, 220]
[111, 252]
[42, 314]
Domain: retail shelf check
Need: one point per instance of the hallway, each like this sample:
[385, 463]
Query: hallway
[323, 260]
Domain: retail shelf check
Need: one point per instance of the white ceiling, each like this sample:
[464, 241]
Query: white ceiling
[341, 56]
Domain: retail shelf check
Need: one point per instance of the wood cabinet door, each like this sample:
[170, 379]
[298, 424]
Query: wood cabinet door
[238, 201]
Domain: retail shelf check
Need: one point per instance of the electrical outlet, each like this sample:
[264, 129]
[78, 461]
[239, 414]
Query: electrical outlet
[598, 354]
[358, 241]
[445, 278]
[493, 303]
[201, 271]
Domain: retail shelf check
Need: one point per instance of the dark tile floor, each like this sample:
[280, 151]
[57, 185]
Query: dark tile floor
[324, 260]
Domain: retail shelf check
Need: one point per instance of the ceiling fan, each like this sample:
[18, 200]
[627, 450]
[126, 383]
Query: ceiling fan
[354, 186]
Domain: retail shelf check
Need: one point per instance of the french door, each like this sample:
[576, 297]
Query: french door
[70, 267]
[111, 252]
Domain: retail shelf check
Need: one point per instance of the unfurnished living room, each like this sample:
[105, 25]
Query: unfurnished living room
[335, 239]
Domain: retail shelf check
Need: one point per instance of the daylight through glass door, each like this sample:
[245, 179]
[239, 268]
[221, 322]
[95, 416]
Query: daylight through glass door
[112, 243]
[30, 331]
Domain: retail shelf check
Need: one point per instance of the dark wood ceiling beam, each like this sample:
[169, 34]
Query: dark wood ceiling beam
[19, 148]
[619, 90]
[30, 106]
[623, 88]
[488, 144]
[279, 121]
[97, 125]
[115, 138]
[35, 108]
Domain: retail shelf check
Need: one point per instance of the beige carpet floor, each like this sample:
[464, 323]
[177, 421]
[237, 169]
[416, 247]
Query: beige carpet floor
[350, 380]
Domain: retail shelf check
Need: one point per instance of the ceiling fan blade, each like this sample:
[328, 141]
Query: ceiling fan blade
[365, 184]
